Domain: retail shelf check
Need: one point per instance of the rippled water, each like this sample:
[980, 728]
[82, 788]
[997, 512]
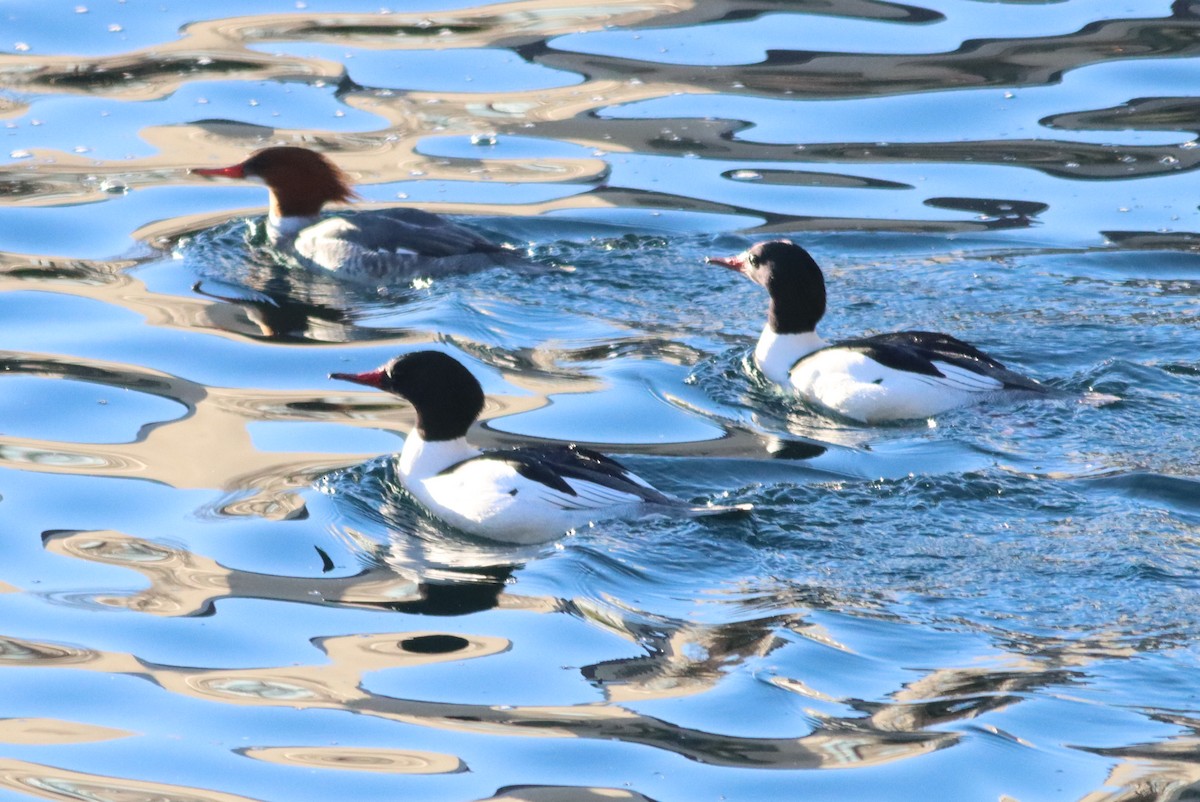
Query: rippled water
[212, 589]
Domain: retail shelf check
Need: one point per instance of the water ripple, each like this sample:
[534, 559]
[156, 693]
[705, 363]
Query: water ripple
[1009, 586]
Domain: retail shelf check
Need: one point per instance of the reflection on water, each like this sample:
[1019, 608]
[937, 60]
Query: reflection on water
[384, 760]
[50, 782]
[214, 589]
[49, 731]
[338, 684]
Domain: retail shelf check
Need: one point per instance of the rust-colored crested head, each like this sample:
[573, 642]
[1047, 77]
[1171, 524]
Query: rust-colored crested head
[301, 180]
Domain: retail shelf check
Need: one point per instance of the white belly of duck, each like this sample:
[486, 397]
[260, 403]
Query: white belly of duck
[490, 499]
[333, 245]
[854, 385]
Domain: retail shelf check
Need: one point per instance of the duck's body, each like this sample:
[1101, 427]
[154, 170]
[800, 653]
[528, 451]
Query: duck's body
[522, 495]
[367, 247]
[896, 376]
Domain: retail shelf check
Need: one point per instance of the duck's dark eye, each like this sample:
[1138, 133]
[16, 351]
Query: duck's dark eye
[752, 260]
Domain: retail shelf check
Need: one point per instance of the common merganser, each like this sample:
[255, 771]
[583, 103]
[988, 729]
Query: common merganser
[368, 247]
[519, 495]
[896, 376]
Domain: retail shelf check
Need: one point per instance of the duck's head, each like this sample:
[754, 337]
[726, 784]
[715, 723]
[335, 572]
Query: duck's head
[301, 181]
[791, 277]
[444, 394]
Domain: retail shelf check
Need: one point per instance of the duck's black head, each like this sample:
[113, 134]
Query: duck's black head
[444, 394]
[792, 279]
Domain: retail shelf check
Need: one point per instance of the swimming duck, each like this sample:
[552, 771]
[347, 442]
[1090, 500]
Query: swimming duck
[519, 495]
[368, 247]
[884, 377]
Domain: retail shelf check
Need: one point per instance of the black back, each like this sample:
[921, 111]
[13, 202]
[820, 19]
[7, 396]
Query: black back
[552, 465]
[916, 351]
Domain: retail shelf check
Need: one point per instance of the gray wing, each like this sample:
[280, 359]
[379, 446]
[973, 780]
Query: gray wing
[416, 231]
[382, 246]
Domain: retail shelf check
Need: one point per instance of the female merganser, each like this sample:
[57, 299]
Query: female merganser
[369, 247]
[896, 376]
[519, 495]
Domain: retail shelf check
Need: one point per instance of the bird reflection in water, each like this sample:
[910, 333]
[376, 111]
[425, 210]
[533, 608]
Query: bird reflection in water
[258, 296]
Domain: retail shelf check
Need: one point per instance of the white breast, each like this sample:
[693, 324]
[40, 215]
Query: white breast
[775, 353]
[283, 230]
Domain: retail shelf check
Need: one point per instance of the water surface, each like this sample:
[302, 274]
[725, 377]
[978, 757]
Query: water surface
[213, 589]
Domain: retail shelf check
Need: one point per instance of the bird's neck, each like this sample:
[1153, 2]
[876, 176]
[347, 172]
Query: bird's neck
[290, 212]
[421, 458]
[776, 353]
[282, 229]
[796, 312]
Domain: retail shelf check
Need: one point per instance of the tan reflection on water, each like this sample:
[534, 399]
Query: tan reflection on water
[565, 793]
[12, 108]
[385, 761]
[338, 684]
[219, 49]
[209, 445]
[55, 731]
[213, 49]
[683, 659]
[50, 782]
[184, 583]
[1165, 771]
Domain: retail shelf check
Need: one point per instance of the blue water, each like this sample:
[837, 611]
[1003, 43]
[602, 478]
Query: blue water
[212, 588]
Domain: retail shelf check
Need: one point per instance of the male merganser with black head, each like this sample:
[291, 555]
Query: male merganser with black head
[520, 495]
[896, 376]
[368, 247]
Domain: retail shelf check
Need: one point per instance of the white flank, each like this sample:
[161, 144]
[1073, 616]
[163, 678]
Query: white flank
[852, 384]
[489, 498]
[339, 245]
